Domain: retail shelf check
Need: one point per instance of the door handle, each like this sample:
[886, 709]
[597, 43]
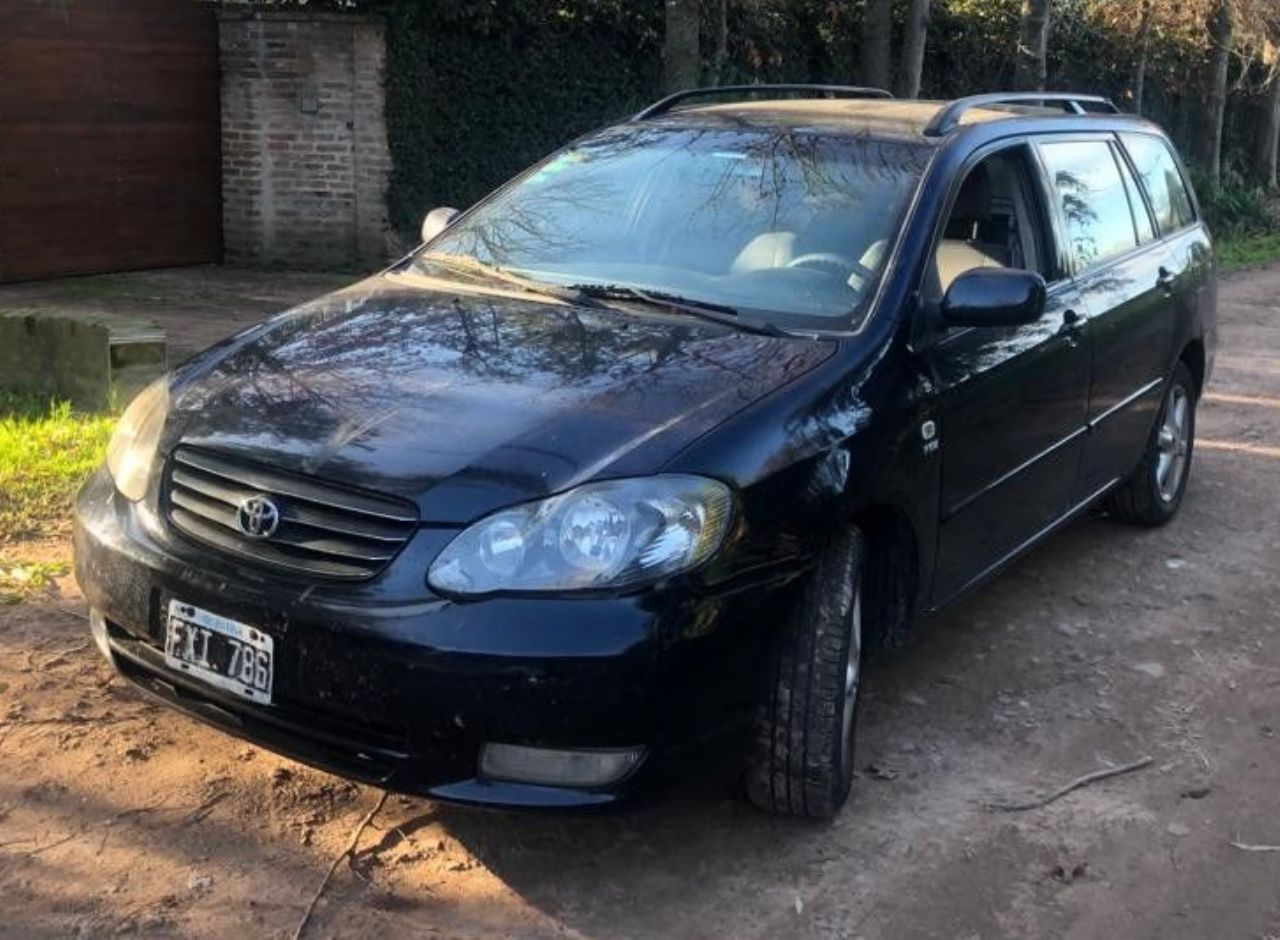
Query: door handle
[1164, 278]
[1070, 328]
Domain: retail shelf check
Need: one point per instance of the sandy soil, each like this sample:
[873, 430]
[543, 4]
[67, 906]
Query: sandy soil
[1106, 645]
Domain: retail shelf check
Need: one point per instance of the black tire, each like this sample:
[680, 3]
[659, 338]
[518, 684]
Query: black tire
[1147, 498]
[802, 750]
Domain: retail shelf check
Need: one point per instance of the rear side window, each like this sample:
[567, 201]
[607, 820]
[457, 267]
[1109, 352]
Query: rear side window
[1162, 180]
[1092, 195]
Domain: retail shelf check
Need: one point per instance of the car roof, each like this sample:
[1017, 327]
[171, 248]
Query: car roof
[908, 120]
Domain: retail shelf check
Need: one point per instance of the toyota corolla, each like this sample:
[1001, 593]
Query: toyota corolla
[642, 452]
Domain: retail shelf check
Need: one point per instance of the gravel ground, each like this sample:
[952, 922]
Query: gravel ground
[1106, 645]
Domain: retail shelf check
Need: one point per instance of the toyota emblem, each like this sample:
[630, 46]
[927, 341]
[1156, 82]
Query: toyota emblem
[258, 517]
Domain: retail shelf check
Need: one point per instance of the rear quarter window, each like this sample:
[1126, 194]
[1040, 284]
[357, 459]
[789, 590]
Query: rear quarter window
[1141, 217]
[1161, 178]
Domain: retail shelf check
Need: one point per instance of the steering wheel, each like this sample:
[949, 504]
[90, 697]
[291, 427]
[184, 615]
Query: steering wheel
[845, 267]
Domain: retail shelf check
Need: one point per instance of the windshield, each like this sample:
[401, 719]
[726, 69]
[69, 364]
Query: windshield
[784, 226]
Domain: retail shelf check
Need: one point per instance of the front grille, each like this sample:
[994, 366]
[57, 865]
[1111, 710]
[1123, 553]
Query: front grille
[324, 530]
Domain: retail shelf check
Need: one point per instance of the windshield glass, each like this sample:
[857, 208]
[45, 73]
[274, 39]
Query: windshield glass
[785, 226]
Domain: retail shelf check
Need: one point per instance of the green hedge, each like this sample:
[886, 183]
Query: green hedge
[477, 91]
[1232, 207]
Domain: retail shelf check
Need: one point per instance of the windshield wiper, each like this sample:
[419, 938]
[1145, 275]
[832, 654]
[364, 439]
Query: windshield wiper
[703, 309]
[470, 265]
[593, 295]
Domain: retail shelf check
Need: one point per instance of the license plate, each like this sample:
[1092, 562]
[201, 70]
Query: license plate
[226, 653]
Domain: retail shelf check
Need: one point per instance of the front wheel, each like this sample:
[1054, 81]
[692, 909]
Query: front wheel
[1153, 494]
[802, 758]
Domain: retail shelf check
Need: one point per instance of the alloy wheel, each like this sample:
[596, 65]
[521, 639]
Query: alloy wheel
[852, 672]
[1173, 443]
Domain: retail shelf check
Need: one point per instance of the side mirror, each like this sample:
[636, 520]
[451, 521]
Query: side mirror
[994, 297]
[437, 221]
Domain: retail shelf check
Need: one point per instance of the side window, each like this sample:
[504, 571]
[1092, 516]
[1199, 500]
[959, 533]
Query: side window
[1094, 203]
[995, 221]
[1162, 180]
[1141, 217]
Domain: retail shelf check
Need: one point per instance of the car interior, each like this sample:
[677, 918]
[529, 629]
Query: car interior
[830, 243]
[994, 223]
[770, 250]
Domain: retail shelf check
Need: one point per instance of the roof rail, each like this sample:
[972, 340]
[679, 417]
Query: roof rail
[816, 91]
[948, 118]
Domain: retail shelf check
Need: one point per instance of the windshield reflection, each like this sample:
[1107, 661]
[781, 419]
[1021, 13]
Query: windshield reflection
[787, 222]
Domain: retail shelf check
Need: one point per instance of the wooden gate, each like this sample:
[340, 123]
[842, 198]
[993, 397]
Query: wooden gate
[109, 136]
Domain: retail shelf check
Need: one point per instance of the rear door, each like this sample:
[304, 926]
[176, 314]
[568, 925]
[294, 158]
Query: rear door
[1187, 253]
[1126, 282]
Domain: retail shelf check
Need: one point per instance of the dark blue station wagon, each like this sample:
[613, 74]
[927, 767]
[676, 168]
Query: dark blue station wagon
[644, 451]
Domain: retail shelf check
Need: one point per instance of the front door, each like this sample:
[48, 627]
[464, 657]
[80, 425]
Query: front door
[1012, 431]
[1011, 400]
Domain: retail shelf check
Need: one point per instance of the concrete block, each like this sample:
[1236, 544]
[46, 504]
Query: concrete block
[96, 362]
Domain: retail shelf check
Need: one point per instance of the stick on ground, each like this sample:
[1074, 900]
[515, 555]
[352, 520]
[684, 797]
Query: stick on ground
[1075, 784]
[204, 809]
[333, 866]
[1250, 847]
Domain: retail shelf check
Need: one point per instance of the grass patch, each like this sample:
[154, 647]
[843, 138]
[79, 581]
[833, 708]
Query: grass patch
[1239, 252]
[19, 581]
[46, 450]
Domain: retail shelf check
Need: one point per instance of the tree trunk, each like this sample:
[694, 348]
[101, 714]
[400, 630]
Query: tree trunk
[680, 58]
[1267, 135]
[1144, 50]
[1187, 104]
[721, 55]
[1033, 45]
[1221, 34]
[912, 63]
[877, 30]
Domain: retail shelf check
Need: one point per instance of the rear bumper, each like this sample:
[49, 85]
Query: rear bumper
[405, 694]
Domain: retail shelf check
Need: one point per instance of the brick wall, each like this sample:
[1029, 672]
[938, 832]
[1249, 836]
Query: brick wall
[304, 143]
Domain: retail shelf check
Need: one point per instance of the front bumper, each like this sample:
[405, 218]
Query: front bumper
[404, 692]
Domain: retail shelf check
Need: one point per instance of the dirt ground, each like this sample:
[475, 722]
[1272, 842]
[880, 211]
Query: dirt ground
[196, 306]
[1107, 645]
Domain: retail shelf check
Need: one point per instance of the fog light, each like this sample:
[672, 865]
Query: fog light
[593, 768]
[98, 627]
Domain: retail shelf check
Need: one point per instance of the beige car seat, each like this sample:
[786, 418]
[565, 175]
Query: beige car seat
[766, 250]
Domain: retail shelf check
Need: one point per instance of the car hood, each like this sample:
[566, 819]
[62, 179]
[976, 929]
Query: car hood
[467, 402]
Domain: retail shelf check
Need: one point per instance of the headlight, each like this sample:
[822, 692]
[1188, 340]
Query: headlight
[598, 536]
[133, 445]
